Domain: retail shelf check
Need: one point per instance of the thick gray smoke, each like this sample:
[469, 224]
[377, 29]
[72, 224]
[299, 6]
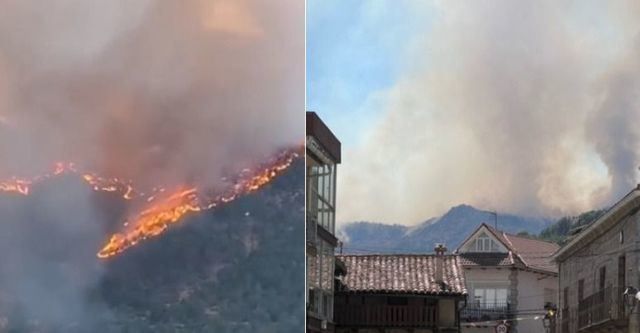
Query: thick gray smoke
[525, 107]
[48, 266]
[155, 91]
[159, 92]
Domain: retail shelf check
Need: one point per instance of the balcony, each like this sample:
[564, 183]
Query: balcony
[385, 316]
[475, 312]
[605, 306]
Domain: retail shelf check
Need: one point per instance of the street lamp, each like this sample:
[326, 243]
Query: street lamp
[548, 321]
[631, 296]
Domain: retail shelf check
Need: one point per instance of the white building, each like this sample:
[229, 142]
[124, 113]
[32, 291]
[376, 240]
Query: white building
[509, 279]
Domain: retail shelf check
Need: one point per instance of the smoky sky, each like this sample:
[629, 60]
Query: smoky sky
[523, 107]
[154, 91]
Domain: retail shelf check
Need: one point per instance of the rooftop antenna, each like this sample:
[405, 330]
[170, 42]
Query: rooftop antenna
[495, 218]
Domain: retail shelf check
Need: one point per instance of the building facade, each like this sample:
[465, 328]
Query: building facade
[400, 294]
[510, 280]
[596, 266]
[323, 154]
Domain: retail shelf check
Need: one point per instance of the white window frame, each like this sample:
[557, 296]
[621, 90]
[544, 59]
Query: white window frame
[484, 243]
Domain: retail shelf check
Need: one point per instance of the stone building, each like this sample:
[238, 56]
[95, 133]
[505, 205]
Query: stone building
[400, 293]
[596, 266]
[510, 279]
[323, 154]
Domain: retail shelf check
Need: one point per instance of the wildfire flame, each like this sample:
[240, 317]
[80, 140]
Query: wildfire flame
[23, 185]
[161, 209]
[158, 217]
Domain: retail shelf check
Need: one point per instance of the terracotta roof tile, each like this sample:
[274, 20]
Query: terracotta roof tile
[409, 274]
[532, 252]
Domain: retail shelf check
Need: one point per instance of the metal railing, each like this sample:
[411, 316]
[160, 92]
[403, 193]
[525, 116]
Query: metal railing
[602, 306]
[477, 311]
[385, 315]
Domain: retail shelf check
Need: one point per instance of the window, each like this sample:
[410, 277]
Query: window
[621, 236]
[603, 277]
[321, 181]
[326, 306]
[313, 301]
[580, 290]
[565, 297]
[490, 298]
[485, 244]
[622, 271]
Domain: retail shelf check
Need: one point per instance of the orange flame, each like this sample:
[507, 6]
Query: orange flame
[162, 210]
[23, 185]
[20, 186]
[158, 217]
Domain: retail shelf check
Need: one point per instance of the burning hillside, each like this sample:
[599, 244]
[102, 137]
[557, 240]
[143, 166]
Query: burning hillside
[161, 207]
[160, 213]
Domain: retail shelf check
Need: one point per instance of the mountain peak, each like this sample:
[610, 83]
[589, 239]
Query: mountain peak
[462, 208]
[451, 228]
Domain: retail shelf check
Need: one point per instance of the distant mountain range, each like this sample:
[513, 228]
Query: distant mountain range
[451, 229]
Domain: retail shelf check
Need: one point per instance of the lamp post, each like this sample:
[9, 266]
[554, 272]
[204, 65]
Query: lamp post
[549, 319]
[631, 296]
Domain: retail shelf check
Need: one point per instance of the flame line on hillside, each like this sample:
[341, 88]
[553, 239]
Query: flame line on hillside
[162, 209]
[23, 185]
[154, 220]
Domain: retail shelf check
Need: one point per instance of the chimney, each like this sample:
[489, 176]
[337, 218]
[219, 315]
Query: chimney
[440, 250]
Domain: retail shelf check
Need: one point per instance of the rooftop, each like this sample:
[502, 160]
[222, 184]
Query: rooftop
[402, 273]
[523, 251]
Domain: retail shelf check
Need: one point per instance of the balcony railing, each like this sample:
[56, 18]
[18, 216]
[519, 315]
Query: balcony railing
[385, 315]
[605, 305]
[474, 312]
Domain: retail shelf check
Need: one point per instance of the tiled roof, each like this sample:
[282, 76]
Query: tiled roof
[407, 274]
[486, 259]
[532, 252]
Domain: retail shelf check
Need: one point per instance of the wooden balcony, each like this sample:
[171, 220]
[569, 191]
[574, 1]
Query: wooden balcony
[385, 316]
[605, 306]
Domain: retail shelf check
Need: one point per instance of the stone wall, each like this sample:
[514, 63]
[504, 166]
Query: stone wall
[605, 251]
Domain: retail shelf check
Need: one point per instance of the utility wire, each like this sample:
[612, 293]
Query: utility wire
[489, 322]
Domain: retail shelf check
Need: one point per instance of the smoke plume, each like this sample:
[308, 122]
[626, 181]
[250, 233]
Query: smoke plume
[161, 92]
[525, 107]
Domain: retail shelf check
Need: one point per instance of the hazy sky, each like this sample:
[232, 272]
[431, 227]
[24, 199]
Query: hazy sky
[523, 107]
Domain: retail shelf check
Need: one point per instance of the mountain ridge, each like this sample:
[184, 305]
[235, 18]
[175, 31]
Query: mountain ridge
[451, 229]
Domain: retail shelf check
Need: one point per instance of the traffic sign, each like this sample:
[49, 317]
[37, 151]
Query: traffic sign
[502, 328]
